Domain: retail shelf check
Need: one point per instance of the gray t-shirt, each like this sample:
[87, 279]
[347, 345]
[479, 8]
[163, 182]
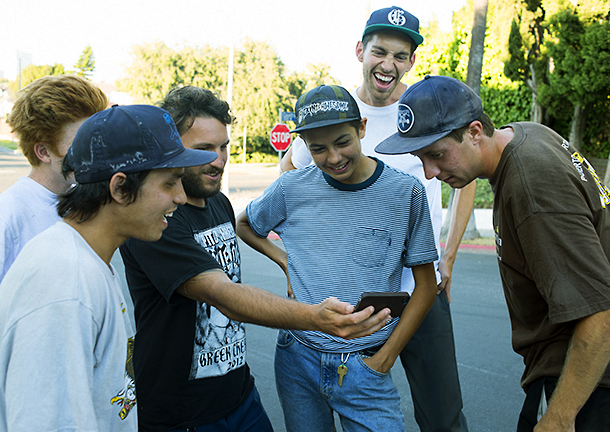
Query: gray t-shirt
[65, 340]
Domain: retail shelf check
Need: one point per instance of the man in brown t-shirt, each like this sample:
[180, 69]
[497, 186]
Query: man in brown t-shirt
[552, 241]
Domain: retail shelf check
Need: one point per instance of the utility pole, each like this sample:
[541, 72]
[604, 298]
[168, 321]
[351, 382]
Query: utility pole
[225, 176]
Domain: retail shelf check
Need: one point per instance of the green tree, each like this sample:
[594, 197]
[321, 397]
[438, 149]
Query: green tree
[259, 91]
[580, 75]
[86, 63]
[32, 72]
[527, 36]
[152, 72]
[261, 84]
[299, 82]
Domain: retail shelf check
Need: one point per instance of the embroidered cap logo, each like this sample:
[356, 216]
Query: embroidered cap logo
[316, 108]
[405, 118]
[396, 17]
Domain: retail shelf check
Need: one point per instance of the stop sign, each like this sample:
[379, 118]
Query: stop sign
[280, 137]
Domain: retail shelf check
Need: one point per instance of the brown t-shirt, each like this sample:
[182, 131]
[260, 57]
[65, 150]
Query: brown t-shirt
[553, 243]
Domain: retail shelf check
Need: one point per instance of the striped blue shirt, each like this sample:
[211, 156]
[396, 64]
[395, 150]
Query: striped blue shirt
[345, 239]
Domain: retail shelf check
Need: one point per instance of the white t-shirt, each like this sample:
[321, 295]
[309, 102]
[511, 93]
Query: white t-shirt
[27, 208]
[66, 340]
[381, 123]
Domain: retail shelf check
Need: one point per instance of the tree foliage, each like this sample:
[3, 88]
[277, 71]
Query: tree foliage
[446, 53]
[261, 84]
[86, 63]
[32, 72]
[566, 48]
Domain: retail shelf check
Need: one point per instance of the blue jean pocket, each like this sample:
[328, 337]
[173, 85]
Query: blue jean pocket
[369, 369]
[284, 339]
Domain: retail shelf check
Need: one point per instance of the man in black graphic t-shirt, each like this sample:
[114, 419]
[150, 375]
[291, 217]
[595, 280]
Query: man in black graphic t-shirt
[190, 347]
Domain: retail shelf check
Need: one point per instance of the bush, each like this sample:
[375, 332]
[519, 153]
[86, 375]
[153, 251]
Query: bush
[483, 198]
[508, 104]
[256, 157]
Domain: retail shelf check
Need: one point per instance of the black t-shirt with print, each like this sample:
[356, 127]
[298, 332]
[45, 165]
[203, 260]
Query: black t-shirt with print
[189, 359]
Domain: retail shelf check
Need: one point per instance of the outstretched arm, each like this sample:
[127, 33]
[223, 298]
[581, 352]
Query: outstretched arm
[586, 362]
[463, 201]
[249, 304]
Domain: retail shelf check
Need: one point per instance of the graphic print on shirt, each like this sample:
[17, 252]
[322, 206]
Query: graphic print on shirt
[220, 343]
[578, 161]
[127, 396]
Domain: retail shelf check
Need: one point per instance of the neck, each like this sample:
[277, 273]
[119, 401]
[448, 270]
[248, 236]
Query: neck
[365, 169]
[45, 177]
[367, 97]
[99, 235]
[197, 202]
[494, 147]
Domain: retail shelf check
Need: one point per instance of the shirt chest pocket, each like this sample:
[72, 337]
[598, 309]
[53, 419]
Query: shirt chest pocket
[371, 246]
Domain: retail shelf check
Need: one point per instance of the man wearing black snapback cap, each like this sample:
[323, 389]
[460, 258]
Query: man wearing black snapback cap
[387, 53]
[65, 339]
[552, 231]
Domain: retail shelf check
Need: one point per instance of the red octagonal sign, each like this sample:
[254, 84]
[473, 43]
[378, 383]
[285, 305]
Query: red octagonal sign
[280, 137]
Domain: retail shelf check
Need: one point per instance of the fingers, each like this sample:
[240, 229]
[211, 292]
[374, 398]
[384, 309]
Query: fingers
[366, 323]
[335, 305]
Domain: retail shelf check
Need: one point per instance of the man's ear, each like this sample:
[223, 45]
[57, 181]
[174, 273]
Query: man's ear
[42, 152]
[117, 181]
[475, 131]
[360, 51]
[362, 128]
[412, 61]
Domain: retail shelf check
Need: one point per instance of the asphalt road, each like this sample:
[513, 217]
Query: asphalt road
[489, 369]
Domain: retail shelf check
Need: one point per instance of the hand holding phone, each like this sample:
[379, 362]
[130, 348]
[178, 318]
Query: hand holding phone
[395, 301]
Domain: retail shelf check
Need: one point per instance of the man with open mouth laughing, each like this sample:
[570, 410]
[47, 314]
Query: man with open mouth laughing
[387, 53]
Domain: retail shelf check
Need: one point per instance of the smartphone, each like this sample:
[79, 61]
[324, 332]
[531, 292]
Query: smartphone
[395, 301]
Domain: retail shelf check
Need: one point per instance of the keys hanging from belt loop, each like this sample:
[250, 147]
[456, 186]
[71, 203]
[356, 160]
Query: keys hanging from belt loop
[342, 369]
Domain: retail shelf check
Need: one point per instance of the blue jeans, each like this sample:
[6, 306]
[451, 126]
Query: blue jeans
[308, 388]
[431, 367]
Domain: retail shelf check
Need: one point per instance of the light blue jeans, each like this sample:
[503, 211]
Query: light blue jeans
[308, 388]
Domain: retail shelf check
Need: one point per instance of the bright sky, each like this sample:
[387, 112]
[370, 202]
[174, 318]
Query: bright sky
[305, 31]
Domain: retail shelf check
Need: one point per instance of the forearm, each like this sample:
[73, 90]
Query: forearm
[414, 313]
[586, 362]
[262, 245]
[463, 201]
[249, 304]
[286, 162]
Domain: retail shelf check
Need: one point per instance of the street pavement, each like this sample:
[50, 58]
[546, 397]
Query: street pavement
[489, 369]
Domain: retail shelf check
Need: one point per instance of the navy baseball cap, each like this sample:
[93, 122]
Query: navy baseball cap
[129, 139]
[325, 105]
[430, 110]
[394, 18]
